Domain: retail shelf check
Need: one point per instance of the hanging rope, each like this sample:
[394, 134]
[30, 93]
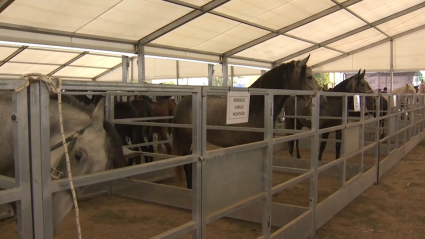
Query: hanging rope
[48, 81]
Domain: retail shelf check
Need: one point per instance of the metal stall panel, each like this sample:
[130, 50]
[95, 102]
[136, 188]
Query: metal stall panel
[18, 188]
[352, 136]
[232, 178]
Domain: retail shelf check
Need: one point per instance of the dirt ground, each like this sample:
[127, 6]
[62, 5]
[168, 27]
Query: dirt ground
[392, 209]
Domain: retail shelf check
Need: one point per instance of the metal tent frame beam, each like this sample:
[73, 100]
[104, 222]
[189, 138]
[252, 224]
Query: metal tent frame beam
[106, 72]
[68, 63]
[422, 27]
[15, 53]
[98, 42]
[362, 19]
[5, 4]
[181, 21]
[288, 28]
[355, 31]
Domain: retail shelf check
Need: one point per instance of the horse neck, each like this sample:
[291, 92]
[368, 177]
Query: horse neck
[256, 107]
[342, 87]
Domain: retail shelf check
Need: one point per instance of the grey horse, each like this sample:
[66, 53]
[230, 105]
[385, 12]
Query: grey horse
[95, 148]
[294, 75]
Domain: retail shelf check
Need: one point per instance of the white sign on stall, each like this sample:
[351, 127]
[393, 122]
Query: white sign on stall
[395, 100]
[356, 102]
[237, 107]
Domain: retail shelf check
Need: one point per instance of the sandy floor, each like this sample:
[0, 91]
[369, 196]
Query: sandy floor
[393, 209]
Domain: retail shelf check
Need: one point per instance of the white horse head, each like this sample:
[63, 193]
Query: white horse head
[95, 148]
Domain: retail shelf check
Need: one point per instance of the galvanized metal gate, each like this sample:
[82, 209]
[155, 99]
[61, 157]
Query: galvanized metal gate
[233, 182]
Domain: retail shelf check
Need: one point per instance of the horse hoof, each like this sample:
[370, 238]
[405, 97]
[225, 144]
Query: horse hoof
[299, 156]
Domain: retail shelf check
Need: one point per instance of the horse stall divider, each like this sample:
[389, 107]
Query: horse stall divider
[233, 182]
[18, 189]
[40, 163]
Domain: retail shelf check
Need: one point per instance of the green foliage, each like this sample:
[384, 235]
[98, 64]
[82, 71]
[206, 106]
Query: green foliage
[171, 82]
[218, 81]
[322, 78]
[420, 76]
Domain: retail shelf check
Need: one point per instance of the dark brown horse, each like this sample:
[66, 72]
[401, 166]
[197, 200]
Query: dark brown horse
[294, 75]
[163, 107]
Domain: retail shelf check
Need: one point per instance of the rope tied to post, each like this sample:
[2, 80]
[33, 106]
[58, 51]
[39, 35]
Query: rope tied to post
[37, 77]
[56, 89]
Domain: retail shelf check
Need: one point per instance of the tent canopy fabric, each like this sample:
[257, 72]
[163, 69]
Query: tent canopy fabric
[340, 35]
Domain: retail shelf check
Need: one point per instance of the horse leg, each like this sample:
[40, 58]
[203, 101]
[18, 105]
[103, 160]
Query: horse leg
[144, 149]
[299, 127]
[298, 149]
[291, 147]
[163, 132]
[290, 125]
[159, 137]
[338, 136]
[150, 147]
[130, 161]
[382, 124]
[323, 145]
[188, 171]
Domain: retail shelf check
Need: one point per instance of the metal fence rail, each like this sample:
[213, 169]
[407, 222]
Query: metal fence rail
[219, 176]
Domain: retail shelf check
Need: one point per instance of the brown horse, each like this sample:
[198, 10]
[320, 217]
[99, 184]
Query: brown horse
[163, 107]
[294, 75]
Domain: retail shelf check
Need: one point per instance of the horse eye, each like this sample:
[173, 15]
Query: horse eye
[78, 155]
[310, 77]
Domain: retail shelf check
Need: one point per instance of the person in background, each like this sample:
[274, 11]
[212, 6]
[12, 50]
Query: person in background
[385, 90]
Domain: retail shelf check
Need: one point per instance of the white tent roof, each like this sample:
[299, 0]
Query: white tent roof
[339, 35]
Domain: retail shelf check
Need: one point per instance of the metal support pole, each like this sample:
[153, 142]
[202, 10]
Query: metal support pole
[389, 110]
[344, 122]
[141, 63]
[210, 74]
[392, 64]
[125, 65]
[267, 165]
[132, 69]
[315, 139]
[224, 70]
[199, 148]
[232, 74]
[109, 116]
[377, 137]
[397, 119]
[177, 71]
[22, 166]
[362, 126]
[40, 132]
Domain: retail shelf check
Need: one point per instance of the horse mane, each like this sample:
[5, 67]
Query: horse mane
[145, 97]
[74, 102]
[113, 146]
[342, 86]
[268, 79]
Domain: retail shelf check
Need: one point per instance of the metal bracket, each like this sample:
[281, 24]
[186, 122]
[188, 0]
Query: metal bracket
[56, 174]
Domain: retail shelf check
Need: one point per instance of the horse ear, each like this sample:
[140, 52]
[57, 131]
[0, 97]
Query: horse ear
[128, 153]
[358, 73]
[99, 115]
[364, 73]
[304, 61]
